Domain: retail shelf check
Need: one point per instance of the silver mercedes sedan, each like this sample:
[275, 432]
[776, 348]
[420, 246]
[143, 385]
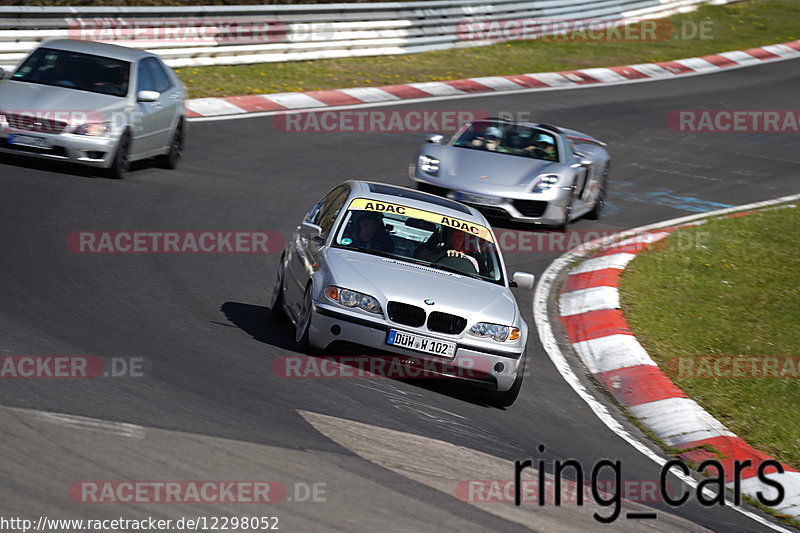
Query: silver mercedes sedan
[94, 104]
[526, 172]
[380, 269]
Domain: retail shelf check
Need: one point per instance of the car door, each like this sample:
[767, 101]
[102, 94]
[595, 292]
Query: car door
[304, 250]
[155, 119]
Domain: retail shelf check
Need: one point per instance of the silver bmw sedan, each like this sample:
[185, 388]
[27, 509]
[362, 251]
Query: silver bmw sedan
[380, 269]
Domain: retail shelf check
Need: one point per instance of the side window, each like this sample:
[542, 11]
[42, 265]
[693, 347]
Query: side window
[160, 78]
[144, 79]
[325, 212]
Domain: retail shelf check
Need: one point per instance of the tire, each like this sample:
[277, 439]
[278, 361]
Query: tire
[304, 320]
[507, 398]
[600, 203]
[170, 159]
[568, 210]
[120, 164]
[276, 312]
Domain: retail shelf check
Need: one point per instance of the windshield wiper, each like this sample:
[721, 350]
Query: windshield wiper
[457, 271]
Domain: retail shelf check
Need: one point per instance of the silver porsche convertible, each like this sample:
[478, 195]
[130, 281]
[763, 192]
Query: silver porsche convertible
[380, 269]
[522, 171]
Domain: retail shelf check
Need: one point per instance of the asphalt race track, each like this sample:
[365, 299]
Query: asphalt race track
[210, 406]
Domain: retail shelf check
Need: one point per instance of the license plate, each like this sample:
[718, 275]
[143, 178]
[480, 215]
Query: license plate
[478, 199]
[421, 343]
[30, 141]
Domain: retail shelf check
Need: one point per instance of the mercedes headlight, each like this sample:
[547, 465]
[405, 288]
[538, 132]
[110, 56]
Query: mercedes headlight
[545, 182]
[428, 164]
[494, 331]
[3, 121]
[349, 298]
[93, 129]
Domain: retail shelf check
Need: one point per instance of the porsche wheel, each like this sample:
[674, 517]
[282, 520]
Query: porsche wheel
[568, 210]
[600, 203]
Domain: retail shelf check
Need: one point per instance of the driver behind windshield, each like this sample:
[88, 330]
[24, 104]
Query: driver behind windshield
[366, 230]
[457, 245]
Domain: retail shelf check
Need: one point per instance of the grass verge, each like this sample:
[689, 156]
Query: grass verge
[715, 29]
[728, 288]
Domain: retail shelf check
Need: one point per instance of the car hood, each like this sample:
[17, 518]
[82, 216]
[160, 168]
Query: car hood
[389, 279]
[34, 98]
[489, 168]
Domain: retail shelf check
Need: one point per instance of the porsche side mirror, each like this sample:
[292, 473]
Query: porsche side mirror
[523, 280]
[434, 138]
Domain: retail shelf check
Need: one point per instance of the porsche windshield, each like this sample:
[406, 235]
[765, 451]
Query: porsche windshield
[506, 138]
[74, 70]
[421, 237]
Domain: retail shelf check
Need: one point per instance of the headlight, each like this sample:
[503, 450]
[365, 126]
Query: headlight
[349, 298]
[3, 121]
[545, 182]
[95, 129]
[495, 331]
[428, 164]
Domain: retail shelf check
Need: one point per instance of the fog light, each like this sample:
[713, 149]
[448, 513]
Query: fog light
[336, 329]
[499, 367]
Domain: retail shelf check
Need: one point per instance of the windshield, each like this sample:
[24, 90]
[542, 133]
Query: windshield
[422, 237]
[505, 138]
[74, 70]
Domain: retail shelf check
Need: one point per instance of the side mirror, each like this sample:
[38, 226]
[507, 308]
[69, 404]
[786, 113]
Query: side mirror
[312, 232]
[434, 138]
[148, 96]
[523, 280]
[582, 163]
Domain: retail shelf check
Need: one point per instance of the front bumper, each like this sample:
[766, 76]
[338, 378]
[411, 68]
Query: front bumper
[82, 149]
[496, 369]
[547, 208]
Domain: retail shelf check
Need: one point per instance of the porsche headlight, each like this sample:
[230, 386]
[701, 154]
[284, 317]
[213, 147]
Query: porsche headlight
[494, 331]
[545, 182]
[93, 129]
[349, 298]
[428, 164]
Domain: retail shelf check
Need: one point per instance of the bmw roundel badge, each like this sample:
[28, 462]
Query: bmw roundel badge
[428, 301]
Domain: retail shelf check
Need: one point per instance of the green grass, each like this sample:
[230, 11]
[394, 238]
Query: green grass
[727, 288]
[732, 27]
